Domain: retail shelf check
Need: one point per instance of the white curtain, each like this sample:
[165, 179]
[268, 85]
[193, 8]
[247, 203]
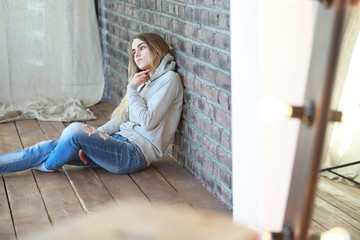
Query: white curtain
[50, 60]
[344, 138]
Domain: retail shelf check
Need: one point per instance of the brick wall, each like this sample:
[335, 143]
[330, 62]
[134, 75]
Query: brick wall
[198, 30]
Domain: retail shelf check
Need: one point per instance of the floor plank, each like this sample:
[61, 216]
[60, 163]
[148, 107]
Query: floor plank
[330, 217]
[26, 203]
[56, 190]
[90, 191]
[101, 119]
[9, 141]
[51, 129]
[317, 228]
[158, 190]
[121, 187]
[30, 132]
[7, 230]
[190, 189]
[347, 194]
[106, 108]
[58, 196]
[341, 203]
[25, 200]
[336, 205]
[9, 138]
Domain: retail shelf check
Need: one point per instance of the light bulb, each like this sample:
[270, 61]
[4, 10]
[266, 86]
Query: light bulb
[337, 233]
[271, 109]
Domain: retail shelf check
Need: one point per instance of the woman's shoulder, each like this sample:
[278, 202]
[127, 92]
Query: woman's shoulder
[170, 76]
[174, 74]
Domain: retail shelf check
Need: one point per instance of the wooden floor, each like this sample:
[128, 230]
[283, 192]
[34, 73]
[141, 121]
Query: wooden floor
[32, 200]
[337, 205]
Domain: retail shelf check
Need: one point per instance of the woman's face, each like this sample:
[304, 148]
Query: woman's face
[141, 54]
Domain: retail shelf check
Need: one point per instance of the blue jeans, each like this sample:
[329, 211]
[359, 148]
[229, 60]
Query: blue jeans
[114, 153]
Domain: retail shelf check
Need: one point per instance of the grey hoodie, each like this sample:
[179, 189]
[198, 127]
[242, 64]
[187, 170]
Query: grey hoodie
[154, 113]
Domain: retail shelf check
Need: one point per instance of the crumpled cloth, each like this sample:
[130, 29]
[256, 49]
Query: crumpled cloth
[45, 109]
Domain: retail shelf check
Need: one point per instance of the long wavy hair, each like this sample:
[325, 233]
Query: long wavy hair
[158, 49]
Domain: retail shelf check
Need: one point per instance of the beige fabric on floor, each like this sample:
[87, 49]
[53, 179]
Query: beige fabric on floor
[50, 59]
[48, 110]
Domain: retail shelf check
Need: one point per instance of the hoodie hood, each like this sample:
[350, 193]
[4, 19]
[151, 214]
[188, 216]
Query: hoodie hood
[166, 64]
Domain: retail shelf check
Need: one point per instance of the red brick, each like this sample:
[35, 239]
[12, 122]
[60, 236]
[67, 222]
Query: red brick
[205, 161]
[162, 6]
[209, 146]
[109, 5]
[224, 158]
[204, 54]
[191, 66]
[193, 150]
[198, 86]
[223, 80]
[181, 61]
[224, 21]
[189, 81]
[180, 156]
[180, 11]
[226, 140]
[191, 31]
[222, 3]
[224, 194]
[128, 10]
[165, 22]
[194, 134]
[222, 174]
[203, 17]
[223, 118]
[213, 19]
[186, 145]
[216, 133]
[224, 100]
[203, 124]
[193, 167]
[206, 36]
[222, 41]
[189, 14]
[207, 180]
[207, 108]
[191, 99]
[185, 46]
[118, 67]
[210, 93]
[207, 73]
[208, 3]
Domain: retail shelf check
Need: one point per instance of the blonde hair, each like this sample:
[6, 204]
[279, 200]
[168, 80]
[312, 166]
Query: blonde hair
[158, 48]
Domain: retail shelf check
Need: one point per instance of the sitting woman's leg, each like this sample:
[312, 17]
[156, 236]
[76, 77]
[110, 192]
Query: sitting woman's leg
[26, 158]
[115, 154]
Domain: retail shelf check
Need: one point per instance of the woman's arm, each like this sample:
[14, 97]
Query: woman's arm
[111, 127]
[149, 114]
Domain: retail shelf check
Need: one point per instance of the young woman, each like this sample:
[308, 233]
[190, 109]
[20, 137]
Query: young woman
[140, 128]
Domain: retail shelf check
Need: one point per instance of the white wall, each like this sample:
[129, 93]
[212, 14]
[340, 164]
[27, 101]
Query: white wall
[245, 84]
[271, 47]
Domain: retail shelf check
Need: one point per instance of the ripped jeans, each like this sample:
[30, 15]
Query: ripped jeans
[114, 153]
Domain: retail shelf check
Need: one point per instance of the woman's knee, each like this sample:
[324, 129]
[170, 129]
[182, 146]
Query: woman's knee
[74, 127]
[73, 130]
[79, 131]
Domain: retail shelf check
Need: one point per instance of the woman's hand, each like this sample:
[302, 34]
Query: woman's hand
[83, 157]
[140, 77]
